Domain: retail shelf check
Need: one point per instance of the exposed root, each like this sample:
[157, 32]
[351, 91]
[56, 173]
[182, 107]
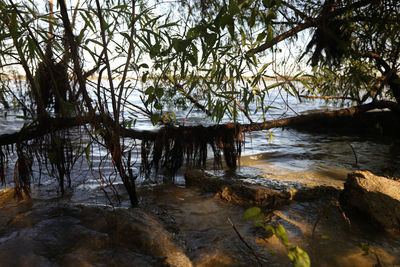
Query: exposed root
[23, 172]
[60, 155]
[3, 164]
[174, 145]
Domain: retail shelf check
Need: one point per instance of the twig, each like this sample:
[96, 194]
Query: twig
[343, 214]
[244, 242]
[355, 155]
[242, 110]
[319, 216]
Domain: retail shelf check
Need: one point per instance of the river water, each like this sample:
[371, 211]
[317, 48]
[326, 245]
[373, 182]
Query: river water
[82, 229]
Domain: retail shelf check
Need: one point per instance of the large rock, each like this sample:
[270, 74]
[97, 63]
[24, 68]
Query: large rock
[270, 194]
[57, 234]
[377, 197]
[236, 191]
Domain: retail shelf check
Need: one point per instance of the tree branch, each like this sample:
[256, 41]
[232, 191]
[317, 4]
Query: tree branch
[328, 97]
[310, 22]
[280, 38]
[329, 115]
[54, 124]
[75, 56]
[377, 58]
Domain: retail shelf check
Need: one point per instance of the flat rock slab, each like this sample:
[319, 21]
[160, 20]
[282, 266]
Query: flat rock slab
[242, 193]
[377, 197]
[57, 234]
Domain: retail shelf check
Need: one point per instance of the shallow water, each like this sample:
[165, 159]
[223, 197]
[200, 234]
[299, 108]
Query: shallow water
[50, 230]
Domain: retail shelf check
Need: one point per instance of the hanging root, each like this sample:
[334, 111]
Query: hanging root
[2, 167]
[60, 155]
[22, 172]
[175, 144]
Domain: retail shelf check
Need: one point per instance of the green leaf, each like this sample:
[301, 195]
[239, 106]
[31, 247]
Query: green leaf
[233, 7]
[87, 153]
[365, 249]
[158, 106]
[159, 92]
[94, 41]
[268, 3]
[231, 29]
[325, 237]
[125, 35]
[149, 90]
[154, 118]
[261, 36]
[155, 50]
[246, 4]
[193, 59]
[299, 257]
[280, 232]
[252, 20]
[269, 228]
[270, 35]
[196, 31]
[144, 77]
[271, 14]
[270, 136]
[251, 213]
[211, 38]
[226, 19]
[180, 45]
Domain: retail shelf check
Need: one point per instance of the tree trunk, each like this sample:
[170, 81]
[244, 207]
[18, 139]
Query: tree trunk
[394, 83]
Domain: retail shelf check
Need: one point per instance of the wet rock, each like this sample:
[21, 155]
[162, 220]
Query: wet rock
[314, 193]
[148, 235]
[236, 191]
[268, 194]
[375, 196]
[59, 234]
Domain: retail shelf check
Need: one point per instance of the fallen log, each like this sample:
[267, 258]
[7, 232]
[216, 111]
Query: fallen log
[321, 116]
[54, 124]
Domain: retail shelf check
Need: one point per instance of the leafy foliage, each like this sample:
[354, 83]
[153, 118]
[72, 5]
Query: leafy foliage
[297, 256]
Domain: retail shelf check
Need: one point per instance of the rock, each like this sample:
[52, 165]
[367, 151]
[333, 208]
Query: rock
[242, 193]
[57, 234]
[236, 191]
[375, 196]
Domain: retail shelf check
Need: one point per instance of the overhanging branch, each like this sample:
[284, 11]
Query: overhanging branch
[309, 22]
[54, 124]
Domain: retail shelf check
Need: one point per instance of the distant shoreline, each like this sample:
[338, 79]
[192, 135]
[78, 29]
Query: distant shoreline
[95, 78]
